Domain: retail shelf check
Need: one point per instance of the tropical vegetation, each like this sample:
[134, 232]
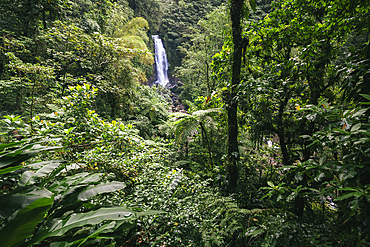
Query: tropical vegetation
[262, 137]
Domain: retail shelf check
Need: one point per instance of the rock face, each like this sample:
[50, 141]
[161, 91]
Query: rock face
[173, 86]
[176, 104]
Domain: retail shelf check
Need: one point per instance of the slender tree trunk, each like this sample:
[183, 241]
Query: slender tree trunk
[233, 150]
[44, 19]
[113, 113]
[281, 129]
[207, 144]
[207, 67]
[365, 88]
[32, 103]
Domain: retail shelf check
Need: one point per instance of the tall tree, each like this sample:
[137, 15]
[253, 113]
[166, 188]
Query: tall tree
[237, 11]
[298, 46]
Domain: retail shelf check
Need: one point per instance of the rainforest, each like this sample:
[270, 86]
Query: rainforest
[184, 123]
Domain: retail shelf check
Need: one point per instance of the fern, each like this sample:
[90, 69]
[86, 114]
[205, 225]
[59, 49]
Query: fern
[185, 125]
[230, 224]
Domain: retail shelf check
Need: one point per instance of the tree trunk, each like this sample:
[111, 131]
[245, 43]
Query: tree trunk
[208, 146]
[365, 87]
[233, 150]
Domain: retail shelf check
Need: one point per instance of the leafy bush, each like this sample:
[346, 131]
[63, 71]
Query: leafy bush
[51, 200]
[63, 201]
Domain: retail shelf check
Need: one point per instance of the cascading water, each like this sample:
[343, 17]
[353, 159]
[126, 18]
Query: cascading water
[161, 62]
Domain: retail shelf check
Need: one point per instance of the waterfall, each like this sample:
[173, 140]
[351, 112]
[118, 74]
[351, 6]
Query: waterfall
[161, 62]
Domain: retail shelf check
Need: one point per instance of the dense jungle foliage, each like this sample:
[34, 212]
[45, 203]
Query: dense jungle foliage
[273, 148]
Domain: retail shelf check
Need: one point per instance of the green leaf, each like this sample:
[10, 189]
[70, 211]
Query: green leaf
[348, 189]
[366, 96]
[89, 179]
[354, 205]
[99, 189]
[319, 176]
[343, 197]
[116, 231]
[360, 112]
[298, 176]
[84, 219]
[21, 154]
[254, 232]
[288, 167]
[8, 145]
[68, 131]
[53, 173]
[10, 169]
[322, 160]
[23, 225]
[96, 233]
[26, 176]
[39, 165]
[66, 185]
[265, 188]
[6, 160]
[20, 198]
[29, 177]
[270, 184]
[347, 175]
[340, 131]
[356, 127]
[61, 244]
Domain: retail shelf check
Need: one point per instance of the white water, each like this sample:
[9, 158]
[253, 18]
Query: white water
[161, 62]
